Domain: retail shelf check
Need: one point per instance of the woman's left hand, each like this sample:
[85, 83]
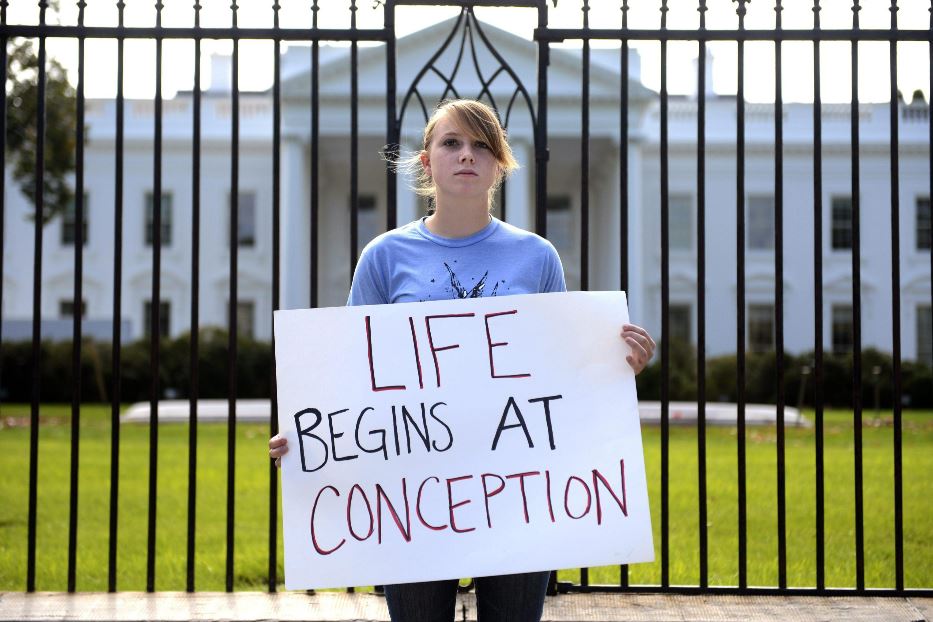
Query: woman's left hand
[642, 346]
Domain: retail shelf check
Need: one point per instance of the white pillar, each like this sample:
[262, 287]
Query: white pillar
[518, 196]
[608, 219]
[407, 206]
[636, 256]
[295, 223]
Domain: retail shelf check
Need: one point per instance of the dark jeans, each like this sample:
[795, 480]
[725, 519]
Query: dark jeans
[506, 598]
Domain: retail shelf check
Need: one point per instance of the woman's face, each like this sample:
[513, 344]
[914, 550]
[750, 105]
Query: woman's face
[460, 166]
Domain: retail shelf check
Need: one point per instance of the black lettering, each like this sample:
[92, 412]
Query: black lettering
[450, 434]
[521, 424]
[380, 432]
[398, 448]
[425, 436]
[335, 435]
[547, 415]
[305, 432]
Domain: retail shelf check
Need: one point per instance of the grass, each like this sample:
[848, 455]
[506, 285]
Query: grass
[252, 506]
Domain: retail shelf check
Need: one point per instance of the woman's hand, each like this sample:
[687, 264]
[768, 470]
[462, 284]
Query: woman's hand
[642, 346]
[278, 447]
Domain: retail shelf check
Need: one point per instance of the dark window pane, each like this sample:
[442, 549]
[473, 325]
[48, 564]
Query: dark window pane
[841, 223]
[164, 313]
[680, 227]
[924, 225]
[760, 328]
[560, 224]
[842, 329]
[760, 223]
[166, 229]
[66, 308]
[69, 222]
[245, 318]
[680, 322]
[925, 334]
[246, 219]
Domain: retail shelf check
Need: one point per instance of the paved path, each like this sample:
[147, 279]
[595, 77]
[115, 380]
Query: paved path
[342, 607]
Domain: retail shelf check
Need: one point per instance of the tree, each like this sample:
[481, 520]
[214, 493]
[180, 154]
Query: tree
[22, 91]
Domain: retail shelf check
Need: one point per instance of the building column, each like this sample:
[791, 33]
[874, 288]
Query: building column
[406, 204]
[604, 228]
[519, 197]
[636, 256]
[295, 223]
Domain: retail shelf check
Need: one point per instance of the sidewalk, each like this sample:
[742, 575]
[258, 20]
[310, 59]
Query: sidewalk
[341, 607]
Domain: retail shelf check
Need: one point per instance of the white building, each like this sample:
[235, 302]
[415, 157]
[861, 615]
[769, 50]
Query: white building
[564, 182]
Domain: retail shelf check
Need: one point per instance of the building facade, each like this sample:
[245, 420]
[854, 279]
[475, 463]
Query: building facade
[333, 264]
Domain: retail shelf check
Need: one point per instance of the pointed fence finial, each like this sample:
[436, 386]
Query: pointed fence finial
[741, 9]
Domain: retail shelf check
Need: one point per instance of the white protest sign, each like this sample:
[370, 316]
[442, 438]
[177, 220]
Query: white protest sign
[459, 438]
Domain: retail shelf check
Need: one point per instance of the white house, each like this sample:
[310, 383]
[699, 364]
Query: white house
[564, 182]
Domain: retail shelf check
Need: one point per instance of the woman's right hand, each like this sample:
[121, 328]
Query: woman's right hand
[278, 447]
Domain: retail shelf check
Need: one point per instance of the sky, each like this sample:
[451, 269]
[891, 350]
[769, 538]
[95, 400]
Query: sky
[256, 57]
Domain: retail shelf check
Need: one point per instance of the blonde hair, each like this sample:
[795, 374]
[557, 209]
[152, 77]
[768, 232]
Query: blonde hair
[476, 120]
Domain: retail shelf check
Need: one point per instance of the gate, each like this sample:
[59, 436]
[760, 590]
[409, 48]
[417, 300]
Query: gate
[407, 99]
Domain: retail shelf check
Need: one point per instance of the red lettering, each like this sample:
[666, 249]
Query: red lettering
[418, 507]
[372, 371]
[550, 506]
[521, 484]
[589, 497]
[414, 346]
[487, 494]
[369, 509]
[434, 349]
[317, 547]
[452, 506]
[598, 477]
[380, 495]
[491, 345]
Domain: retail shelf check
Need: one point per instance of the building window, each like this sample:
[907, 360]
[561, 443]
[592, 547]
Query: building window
[560, 224]
[166, 229]
[841, 223]
[924, 224]
[66, 308]
[760, 328]
[245, 318]
[925, 334]
[760, 224]
[164, 313]
[842, 329]
[246, 219]
[680, 223]
[69, 223]
[679, 315]
[367, 220]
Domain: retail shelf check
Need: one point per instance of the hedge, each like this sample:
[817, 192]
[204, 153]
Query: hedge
[253, 372]
[761, 379]
[254, 369]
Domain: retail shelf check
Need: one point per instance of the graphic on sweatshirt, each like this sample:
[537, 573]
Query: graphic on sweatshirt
[476, 291]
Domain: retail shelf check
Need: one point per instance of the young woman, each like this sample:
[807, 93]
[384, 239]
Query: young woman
[461, 251]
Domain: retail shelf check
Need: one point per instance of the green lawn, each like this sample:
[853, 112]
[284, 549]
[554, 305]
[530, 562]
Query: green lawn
[251, 540]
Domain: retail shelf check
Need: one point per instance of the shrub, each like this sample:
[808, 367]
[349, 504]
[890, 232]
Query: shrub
[254, 373]
[837, 384]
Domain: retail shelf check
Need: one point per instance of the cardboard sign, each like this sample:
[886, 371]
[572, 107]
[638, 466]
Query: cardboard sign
[459, 438]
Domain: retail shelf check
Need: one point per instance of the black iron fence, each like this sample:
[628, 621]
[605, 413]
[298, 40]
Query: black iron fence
[398, 99]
